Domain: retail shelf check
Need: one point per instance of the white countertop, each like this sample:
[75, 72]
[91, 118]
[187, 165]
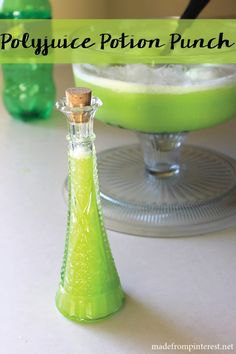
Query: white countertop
[177, 290]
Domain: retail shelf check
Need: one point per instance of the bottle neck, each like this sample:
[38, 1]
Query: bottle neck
[81, 136]
[80, 123]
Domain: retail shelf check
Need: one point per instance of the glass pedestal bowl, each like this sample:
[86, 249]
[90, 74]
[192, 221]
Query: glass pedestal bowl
[163, 187]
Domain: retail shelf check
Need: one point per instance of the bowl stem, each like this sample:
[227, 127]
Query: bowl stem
[161, 153]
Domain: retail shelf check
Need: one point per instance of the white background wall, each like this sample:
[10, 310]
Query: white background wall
[136, 8]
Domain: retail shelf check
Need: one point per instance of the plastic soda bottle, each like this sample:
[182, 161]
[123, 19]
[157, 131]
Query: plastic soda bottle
[29, 90]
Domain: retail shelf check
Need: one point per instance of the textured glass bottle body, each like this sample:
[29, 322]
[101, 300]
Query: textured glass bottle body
[29, 90]
[89, 288]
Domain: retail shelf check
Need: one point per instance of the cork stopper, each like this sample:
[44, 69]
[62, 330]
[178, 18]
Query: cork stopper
[78, 97]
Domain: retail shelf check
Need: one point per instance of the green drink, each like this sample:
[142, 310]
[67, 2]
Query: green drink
[90, 288]
[171, 98]
[166, 187]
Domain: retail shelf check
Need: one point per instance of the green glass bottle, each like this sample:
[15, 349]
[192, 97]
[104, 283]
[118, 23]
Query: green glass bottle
[29, 89]
[90, 288]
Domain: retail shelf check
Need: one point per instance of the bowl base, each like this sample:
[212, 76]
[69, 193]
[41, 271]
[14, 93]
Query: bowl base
[201, 198]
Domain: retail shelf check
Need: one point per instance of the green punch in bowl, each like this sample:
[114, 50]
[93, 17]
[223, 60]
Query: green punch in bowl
[165, 98]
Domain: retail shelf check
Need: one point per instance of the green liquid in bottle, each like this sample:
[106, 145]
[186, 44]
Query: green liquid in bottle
[90, 287]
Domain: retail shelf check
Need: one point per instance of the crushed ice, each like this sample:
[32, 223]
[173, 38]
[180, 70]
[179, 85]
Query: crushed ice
[171, 74]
